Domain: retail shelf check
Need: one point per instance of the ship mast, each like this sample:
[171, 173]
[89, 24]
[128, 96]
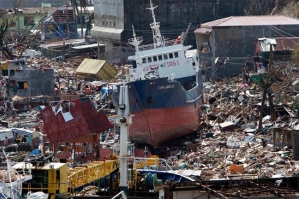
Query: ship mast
[124, 120]
[135, 41]
[155, 26]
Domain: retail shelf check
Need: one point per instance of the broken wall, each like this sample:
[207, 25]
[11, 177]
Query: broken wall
[40, 82]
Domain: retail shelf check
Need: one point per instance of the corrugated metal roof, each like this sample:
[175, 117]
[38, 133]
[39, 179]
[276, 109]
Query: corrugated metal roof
[279, 43]
[286, 43]
[203, 30]
[251, 21]
[86, 120]
[266, 42]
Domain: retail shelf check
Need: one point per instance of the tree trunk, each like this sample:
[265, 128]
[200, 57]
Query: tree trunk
[262, 109]
[272, 111]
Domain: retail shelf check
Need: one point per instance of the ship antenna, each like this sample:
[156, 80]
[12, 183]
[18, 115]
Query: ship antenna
[155, 26]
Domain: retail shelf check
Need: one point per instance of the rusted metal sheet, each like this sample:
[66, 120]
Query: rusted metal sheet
[278, 44]
[86, 120]
[286, 43]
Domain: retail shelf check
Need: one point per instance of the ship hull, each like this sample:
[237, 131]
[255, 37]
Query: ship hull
[163, 110]
[155, 126]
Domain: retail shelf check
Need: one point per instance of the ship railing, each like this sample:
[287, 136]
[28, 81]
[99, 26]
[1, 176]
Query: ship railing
[151, 46]
[25, 169]
[151, 164]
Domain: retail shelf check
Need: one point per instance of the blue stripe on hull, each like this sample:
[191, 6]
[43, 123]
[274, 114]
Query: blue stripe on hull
[161, 93]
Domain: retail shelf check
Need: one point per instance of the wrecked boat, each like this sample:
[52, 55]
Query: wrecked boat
[165, 88]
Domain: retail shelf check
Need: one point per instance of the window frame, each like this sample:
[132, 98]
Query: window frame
[29, 21]
[165, 56]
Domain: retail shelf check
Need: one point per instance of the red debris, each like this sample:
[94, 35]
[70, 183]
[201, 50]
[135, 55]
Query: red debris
[86, 120]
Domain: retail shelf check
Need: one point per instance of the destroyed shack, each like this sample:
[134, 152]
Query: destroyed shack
[39, 82]
[73, 121]
[21, 81]
[59, 24]
[282, 50]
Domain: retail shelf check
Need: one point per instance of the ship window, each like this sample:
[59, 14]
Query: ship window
[160, 57]
[155, 58]
[143, 60]
[176, 54]
[134, 64]
[149, 59]
[170, 55]
[165, 56]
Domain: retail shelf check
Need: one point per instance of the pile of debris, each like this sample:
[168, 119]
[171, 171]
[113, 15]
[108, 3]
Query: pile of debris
[232, 144]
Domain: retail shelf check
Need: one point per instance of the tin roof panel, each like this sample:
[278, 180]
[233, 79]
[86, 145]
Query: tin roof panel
[252, 21]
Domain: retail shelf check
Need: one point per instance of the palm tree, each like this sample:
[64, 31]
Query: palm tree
[82, 4]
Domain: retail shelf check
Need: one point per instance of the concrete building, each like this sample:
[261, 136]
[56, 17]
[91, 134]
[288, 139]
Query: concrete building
[39, 81]
[4, 4]
[215, 38]
[31, 82]
[114, 19]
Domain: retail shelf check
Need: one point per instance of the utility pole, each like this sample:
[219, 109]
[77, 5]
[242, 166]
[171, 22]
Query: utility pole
[222, 61]
[67, 20]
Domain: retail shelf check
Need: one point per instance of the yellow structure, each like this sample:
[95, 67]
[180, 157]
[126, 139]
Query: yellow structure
[99, 69]
[92, 171]
[55, 178]
[51, 178]
[147, 162]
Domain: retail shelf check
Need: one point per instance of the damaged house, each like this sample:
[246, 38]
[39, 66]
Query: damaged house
[30, 81]
[59, 24]
[215, 38]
